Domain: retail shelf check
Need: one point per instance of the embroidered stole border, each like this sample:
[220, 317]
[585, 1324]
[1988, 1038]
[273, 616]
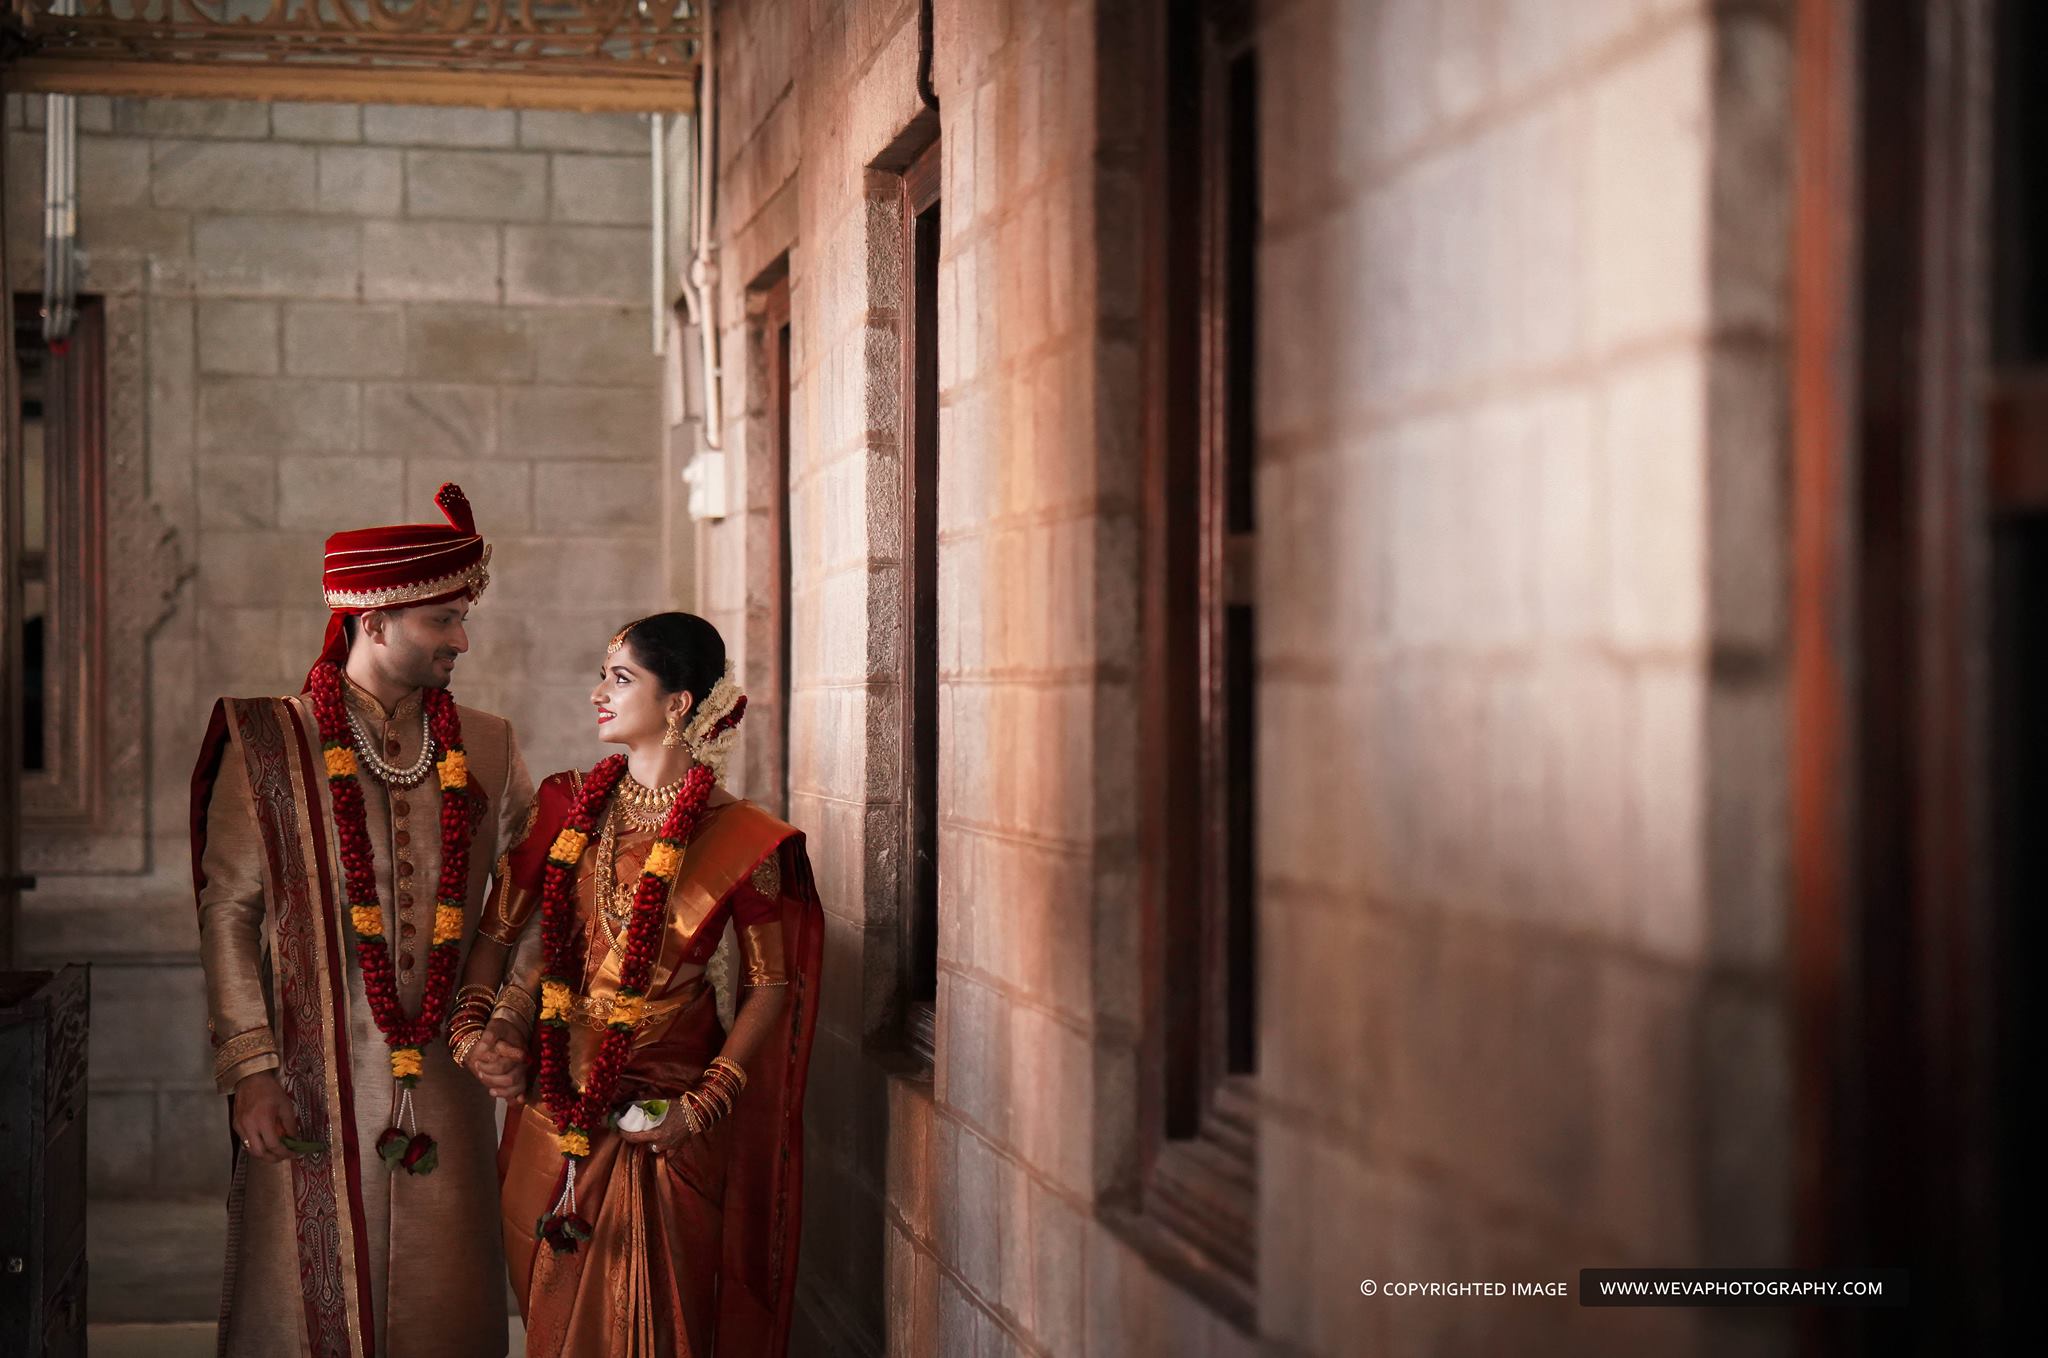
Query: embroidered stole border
[312, 1016]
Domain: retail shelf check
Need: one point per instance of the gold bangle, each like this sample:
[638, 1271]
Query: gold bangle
[729, 1066]
[716, 1092]
[722, 1093]
[464, 1045]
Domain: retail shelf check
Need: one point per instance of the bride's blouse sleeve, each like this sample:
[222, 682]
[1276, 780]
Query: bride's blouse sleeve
[511, 903]
[516, 884]
[512, 912]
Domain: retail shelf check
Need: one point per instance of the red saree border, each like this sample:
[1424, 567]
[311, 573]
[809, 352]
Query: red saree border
[803, 939]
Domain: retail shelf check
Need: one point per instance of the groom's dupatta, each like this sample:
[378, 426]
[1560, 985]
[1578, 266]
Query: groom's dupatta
[309, 1011]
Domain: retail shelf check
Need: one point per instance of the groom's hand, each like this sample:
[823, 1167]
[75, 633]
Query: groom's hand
[263, 1116]
[499, 1062]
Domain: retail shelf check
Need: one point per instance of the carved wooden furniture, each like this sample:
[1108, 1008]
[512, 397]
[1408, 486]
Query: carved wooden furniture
[42, 1162]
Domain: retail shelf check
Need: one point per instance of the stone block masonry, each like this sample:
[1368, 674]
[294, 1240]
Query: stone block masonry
[1517, 475]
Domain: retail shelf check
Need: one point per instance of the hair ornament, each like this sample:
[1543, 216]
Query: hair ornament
[714, 726]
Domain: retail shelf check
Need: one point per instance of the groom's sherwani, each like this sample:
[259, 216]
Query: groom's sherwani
[335, 1255]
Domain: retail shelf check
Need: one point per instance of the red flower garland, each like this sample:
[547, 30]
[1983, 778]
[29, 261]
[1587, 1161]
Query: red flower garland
[404, 1034]
[577, 1112]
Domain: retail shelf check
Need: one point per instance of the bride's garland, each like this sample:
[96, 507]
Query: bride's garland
[404, 1034]
[577, 1113]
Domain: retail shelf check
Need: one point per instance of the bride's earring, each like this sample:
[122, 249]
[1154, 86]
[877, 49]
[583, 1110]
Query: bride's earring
[672, 735]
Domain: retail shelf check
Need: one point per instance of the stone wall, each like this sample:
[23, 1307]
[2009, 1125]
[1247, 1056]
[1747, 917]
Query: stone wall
[830, 99]
[1522, 650]
[332, 310]
[1523, 457]
[952, 1212]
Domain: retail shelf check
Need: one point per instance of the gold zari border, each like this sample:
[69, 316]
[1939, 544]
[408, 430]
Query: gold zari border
[476, 577]
[243, 1046]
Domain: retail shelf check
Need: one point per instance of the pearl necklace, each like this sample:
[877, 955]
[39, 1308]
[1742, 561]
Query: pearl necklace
[366, 752]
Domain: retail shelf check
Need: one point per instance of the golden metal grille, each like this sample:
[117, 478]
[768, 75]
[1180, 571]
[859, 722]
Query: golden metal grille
[621, 53]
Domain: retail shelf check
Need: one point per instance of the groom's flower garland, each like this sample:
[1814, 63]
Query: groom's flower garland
[577, 1113]
[404, 1034]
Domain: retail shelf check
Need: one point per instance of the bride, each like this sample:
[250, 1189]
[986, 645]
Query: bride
[651, 1166]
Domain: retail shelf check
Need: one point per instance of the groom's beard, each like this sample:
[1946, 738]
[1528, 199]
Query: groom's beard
[425, 671]
[438, 675]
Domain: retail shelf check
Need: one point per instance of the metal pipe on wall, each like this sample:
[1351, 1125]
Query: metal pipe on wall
[657, 127]
[60, 205]
[60, 215]
[704, 267]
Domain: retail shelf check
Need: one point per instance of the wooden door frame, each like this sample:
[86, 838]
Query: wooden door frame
[921, 192]
[1890, 655]
[778, 342]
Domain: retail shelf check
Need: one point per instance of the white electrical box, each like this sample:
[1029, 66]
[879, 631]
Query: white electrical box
[704, 474]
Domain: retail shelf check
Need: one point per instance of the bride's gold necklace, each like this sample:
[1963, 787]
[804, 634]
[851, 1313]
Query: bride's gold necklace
[645, 808]
[640, 808]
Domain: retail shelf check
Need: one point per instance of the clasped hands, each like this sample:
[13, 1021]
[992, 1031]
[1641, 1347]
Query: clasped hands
[498, 1060]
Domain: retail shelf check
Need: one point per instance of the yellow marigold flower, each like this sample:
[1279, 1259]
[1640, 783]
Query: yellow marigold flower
[447, 923]
[554, 1000]
[454, 769]
[341, 762]
[627, 1009]
[368, 919]
[405, 1061]
[576, 1144]
[568, 846]
[662, 861]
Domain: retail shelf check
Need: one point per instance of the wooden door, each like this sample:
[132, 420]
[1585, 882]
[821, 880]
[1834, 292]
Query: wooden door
[1920, 435]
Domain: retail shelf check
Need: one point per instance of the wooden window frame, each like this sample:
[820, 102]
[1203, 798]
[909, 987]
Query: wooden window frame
[1197, 1193]
[67, 792]
[920, 243]
[774, 334]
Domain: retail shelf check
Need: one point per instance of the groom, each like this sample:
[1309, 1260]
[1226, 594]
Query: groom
[340, 844]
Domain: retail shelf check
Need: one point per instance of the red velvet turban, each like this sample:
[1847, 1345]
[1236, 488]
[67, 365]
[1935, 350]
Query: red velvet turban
[403, 566]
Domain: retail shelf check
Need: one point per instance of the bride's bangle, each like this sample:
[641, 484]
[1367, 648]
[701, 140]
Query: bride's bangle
[461, 1044]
